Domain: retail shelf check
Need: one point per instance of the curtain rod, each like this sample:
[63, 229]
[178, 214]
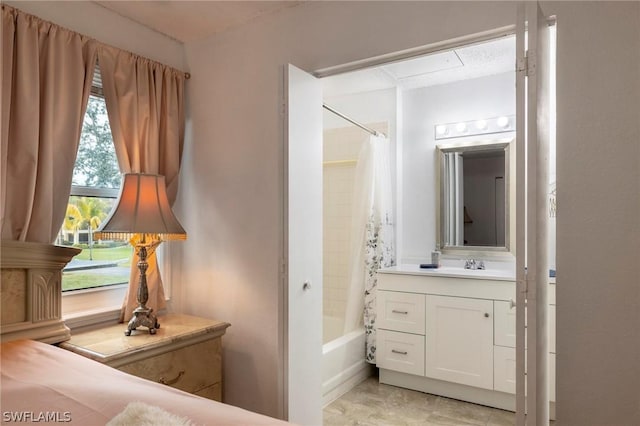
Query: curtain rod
[363, 127]
[187, 75]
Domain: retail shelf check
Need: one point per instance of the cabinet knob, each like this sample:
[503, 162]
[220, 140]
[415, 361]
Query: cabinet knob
[486, 315]
[306, 285]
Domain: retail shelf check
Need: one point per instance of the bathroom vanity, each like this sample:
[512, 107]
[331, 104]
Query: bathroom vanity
[451, 332]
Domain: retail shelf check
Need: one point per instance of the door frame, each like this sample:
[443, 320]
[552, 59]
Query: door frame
[466, 40]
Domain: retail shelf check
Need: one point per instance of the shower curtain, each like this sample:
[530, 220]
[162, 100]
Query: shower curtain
[371, 237]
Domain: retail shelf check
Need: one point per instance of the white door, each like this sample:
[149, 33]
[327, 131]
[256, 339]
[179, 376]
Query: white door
[457, 327]
[532, 115]
[303, 248]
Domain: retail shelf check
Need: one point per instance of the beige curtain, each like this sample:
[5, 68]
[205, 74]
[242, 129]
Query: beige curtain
[146, 113]
[46, 80]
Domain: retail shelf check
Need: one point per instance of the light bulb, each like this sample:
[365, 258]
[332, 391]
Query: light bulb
[441, 129]
[481, 124]
[461, 127]
[503, 122]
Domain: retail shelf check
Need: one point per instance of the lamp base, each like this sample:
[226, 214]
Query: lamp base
[142, 317]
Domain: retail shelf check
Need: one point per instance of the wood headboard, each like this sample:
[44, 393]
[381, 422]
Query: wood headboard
[31, 291]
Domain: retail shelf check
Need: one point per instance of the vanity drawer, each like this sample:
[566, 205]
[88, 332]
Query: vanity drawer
[401, 352]
[401, 311]
[191, 369]
[505, 325]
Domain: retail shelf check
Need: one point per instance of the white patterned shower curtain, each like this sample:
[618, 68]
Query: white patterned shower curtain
[371, 237]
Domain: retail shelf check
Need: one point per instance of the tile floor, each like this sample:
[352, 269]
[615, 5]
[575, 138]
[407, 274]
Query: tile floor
[371, 403]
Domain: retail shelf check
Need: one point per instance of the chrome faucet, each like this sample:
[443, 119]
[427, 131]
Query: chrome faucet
[473, 264]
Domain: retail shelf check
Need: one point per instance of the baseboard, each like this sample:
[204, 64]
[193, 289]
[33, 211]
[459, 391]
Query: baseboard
[346, 380]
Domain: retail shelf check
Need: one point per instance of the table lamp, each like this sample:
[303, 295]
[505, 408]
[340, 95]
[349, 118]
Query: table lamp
[142, 210]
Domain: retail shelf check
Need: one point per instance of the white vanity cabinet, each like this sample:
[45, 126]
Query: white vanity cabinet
[452, 333]
[438, 334]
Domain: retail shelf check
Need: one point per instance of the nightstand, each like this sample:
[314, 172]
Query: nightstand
[185, 353]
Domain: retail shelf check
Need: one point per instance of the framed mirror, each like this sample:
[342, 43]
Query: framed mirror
[474, 185]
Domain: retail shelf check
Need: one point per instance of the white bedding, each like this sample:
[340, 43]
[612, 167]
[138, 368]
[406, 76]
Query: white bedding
[40, 381]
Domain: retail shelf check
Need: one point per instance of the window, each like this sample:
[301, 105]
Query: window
[96, 179]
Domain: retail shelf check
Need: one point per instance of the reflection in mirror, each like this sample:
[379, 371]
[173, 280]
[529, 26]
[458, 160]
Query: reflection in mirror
[474, 206]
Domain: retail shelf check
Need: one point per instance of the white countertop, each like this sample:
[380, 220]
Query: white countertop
[452, 271]
[500, 274]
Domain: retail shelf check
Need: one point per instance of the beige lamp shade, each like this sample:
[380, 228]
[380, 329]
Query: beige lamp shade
[142, 208]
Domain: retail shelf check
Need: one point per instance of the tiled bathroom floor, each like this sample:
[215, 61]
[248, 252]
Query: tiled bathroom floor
[371, 403]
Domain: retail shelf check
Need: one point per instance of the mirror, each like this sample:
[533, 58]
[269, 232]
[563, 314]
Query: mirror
[474, 187]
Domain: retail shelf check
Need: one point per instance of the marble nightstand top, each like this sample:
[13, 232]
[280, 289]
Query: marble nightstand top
[110, 346]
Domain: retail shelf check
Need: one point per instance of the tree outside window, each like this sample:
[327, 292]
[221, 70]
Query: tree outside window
[96, 177]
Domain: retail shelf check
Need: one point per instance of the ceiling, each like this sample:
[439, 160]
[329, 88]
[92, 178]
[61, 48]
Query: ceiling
[187, 20]
[464, 63]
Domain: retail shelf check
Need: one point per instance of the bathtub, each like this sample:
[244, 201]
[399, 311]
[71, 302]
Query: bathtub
[343, 364]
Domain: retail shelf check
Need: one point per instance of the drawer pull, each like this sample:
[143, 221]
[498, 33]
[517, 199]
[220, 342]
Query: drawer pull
[395, 311]
[172, 381]
[398, 352]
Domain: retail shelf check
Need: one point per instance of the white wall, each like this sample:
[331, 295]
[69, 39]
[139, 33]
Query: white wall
[484, 97]
[368, 107]
[99, 23]
[232, 185]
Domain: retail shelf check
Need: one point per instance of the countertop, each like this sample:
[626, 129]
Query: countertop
[499, 274]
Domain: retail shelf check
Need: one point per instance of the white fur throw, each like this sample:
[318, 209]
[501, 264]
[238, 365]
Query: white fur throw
[141, 414]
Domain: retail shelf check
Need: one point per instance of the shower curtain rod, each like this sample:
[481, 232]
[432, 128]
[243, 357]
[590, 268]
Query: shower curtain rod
[363, 127]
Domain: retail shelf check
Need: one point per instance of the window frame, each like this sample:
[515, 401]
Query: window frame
[91, 306]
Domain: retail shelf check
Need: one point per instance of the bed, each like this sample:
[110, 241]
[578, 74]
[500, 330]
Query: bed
[40, 382]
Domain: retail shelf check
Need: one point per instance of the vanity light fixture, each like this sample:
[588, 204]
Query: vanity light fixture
[503, 122]
[442, 129]
[483, 126]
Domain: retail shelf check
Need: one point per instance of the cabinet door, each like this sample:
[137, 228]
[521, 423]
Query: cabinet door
[552, 377]
[504, 369]
[459, 335]
[505, 324]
